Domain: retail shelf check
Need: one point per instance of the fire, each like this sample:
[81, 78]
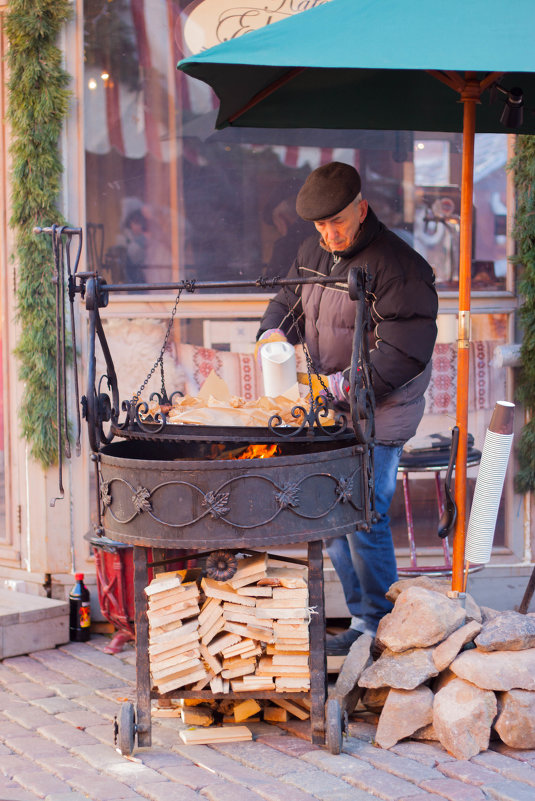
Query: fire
[219, 451]
[259, 452]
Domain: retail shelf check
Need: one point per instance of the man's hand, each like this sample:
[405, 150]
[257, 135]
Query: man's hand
[335, 383]
[271, 335]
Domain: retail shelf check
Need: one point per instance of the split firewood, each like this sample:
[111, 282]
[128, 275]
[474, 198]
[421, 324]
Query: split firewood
[182, 680]
[250, 570]
[219, 734]
[212, 661]
[255, 590]
[197, 716]
[250, 632]
[246, 709]
[222, 641]
[216, 685]
[283, 602]
[257, 683]
[289, 684]
[274, 714]
[248, 666]
[223, 591]
[165, 712]
[291, 707]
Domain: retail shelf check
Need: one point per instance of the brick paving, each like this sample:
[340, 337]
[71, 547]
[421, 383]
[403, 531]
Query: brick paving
[56, 743]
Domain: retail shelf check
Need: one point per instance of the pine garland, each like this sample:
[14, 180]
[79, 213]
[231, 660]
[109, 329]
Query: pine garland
[38, 101]
[523, 166]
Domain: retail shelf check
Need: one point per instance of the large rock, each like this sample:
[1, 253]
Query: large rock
[509, 631]
[420, 618]
[441, 585]
[446, 652]
[346, 688]
[425, 733]
[497, 670]
[443, 678]
[403, 671]
[516, 719]
[487, 613]
[462, 718]
[404, 712]
[374, 699]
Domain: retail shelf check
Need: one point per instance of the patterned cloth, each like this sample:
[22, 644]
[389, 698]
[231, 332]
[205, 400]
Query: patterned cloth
[239, 370]
[244, 377]
[487, 383]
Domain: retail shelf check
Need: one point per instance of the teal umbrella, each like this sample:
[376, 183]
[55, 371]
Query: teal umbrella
[371, 64]
[392, 65]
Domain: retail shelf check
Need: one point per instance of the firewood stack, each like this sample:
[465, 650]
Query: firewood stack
[244, 634]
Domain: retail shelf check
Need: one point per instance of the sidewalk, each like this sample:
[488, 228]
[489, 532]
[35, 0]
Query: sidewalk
[56, 743]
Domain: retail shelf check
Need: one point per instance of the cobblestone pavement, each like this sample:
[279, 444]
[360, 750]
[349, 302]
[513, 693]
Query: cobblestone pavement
[56, 743]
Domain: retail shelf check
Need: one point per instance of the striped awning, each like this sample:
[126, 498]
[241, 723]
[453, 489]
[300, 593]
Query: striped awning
[134, 122]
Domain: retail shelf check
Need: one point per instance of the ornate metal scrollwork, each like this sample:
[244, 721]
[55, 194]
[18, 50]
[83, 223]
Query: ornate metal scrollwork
[105, 496]
[141, 500]
[217, 503]
[344, 489]
[288, 496]
[312, 418]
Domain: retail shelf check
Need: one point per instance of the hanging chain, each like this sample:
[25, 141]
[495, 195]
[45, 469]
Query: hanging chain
[311, 367]
[159, 360]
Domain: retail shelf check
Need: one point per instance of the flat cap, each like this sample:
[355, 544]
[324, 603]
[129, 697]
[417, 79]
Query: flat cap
[327, 190]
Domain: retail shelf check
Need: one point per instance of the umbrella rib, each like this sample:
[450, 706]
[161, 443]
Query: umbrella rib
[457, 82]
[491, 78]
[451, 79]
[288, 76]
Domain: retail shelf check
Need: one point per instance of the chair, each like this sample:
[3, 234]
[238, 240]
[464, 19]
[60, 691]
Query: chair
[430, 460]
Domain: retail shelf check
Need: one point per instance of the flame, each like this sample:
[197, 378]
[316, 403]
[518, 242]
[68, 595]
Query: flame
[219, 451]
[259, 452]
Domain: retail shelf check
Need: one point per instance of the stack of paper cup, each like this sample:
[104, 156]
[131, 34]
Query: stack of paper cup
[489, 484]
[278, 368]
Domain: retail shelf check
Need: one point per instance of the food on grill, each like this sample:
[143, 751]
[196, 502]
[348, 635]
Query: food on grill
[234, 411]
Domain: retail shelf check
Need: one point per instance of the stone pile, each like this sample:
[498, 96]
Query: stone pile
[453, 673]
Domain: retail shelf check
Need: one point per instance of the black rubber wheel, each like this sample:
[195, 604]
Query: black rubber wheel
[127, 728]
[333, 726]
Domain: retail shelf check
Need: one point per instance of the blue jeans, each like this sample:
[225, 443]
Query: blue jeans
[364, 560]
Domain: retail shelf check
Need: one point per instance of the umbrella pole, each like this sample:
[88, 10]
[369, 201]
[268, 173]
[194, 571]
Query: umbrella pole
[469, 98]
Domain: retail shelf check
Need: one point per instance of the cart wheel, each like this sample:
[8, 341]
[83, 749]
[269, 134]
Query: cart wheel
[333, 725]
[127, 728]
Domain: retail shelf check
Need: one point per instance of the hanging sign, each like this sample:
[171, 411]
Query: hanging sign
[205, 23]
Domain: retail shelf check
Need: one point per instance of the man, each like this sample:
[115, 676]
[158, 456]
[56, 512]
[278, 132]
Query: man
[403, 307]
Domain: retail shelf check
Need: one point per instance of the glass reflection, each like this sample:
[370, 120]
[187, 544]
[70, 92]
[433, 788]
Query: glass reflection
[168, 197]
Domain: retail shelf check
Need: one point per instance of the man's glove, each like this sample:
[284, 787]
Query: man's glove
[271, 335]
[336, 383]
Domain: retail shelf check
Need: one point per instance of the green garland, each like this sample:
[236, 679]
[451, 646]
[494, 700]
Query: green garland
[37, 106]
[523, 166]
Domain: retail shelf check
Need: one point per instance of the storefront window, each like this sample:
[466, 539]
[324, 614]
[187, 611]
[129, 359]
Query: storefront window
[170, 198]
[437, 181]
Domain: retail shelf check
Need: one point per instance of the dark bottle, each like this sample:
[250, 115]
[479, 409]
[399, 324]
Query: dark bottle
[79, 611]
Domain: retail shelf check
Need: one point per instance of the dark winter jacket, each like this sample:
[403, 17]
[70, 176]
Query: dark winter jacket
[403, 305]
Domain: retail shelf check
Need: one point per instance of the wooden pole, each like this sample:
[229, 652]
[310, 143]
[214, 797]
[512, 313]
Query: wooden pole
[469, 98]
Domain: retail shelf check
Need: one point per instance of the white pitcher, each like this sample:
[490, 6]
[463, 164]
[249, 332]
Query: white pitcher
[278, 368]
